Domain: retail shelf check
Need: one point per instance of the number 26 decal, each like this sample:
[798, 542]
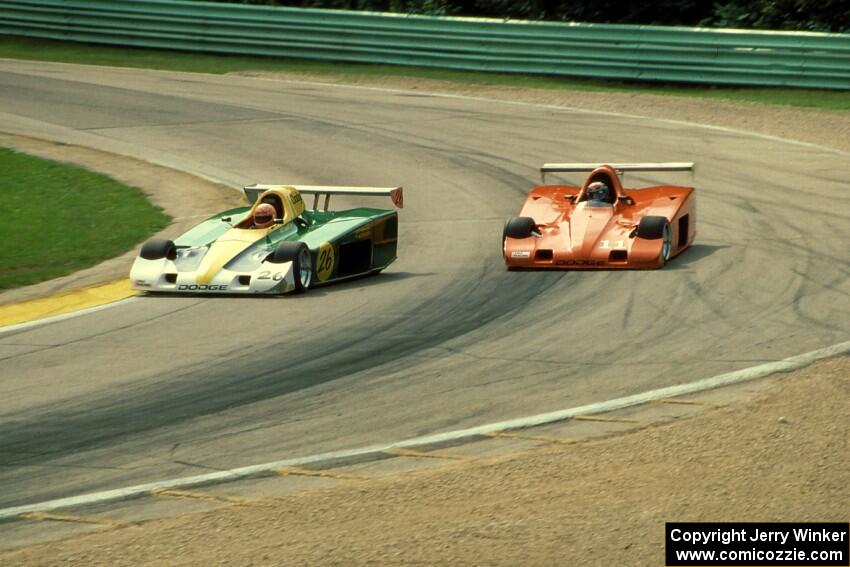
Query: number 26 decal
[267, 275]
[325, 261]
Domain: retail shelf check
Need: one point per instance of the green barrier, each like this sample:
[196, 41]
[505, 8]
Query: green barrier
[653, 53]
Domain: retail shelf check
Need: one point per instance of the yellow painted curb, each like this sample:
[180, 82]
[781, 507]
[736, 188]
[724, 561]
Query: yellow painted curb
[66, 302]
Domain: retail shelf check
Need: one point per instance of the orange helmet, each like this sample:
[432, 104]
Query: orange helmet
[263, 215]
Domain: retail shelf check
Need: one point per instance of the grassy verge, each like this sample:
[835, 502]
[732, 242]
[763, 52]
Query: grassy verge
[56, 219]
[69, 52]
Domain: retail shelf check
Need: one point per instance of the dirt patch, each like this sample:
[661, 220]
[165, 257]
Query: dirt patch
[781, 457]
[185, 198]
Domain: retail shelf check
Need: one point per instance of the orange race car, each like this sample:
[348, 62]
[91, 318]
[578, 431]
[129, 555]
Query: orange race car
[600, 224]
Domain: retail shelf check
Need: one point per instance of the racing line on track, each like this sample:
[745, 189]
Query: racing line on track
[736, 377]
[38, 317]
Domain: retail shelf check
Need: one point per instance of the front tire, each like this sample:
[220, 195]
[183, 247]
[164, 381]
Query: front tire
[666, 244]
[655, 228]
[519, 227]
[651, 228]
[302, 263]
[157, 249]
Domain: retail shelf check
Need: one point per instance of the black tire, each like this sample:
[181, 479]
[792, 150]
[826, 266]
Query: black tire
[302, 262]
[651, 228]
[519, 227]
[654, 228]
[157, 249]
[667, 244]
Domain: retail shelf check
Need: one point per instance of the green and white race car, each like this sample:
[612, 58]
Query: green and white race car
[241, 251]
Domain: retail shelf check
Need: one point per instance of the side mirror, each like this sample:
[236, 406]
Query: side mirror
[626, 199]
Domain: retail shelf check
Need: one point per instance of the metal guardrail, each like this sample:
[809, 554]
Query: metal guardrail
[734, 57]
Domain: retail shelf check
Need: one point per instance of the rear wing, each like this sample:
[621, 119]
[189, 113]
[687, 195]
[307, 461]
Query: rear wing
[253, 192]
[621, 168]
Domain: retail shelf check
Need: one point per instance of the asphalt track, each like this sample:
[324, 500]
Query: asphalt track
[165, 387]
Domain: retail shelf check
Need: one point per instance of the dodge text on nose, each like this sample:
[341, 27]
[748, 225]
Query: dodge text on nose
[193, 287]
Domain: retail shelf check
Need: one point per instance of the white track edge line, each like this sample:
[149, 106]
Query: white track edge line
[36, 322]
[762, 370]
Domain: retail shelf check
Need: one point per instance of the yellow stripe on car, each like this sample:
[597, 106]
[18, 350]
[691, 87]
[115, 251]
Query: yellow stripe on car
[225, 249]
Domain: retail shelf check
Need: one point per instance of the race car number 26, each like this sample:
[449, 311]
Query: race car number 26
[267, 275]
[325, 261]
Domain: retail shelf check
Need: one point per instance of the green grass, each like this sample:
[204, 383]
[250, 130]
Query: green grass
[69, 52]
[56, 219]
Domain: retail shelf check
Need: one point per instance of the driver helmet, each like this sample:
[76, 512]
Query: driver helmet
[263, 215]
[598, 191]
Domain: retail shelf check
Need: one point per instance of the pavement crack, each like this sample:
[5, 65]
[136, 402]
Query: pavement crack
[198, 466]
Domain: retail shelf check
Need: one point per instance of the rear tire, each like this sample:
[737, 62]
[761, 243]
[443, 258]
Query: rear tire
[302, 263]
[519, 227]
[157, 249]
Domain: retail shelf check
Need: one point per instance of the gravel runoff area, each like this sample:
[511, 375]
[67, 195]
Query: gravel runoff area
[782, 457]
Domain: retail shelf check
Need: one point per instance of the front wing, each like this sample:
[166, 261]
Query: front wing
[632, 254]
[162, 276]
